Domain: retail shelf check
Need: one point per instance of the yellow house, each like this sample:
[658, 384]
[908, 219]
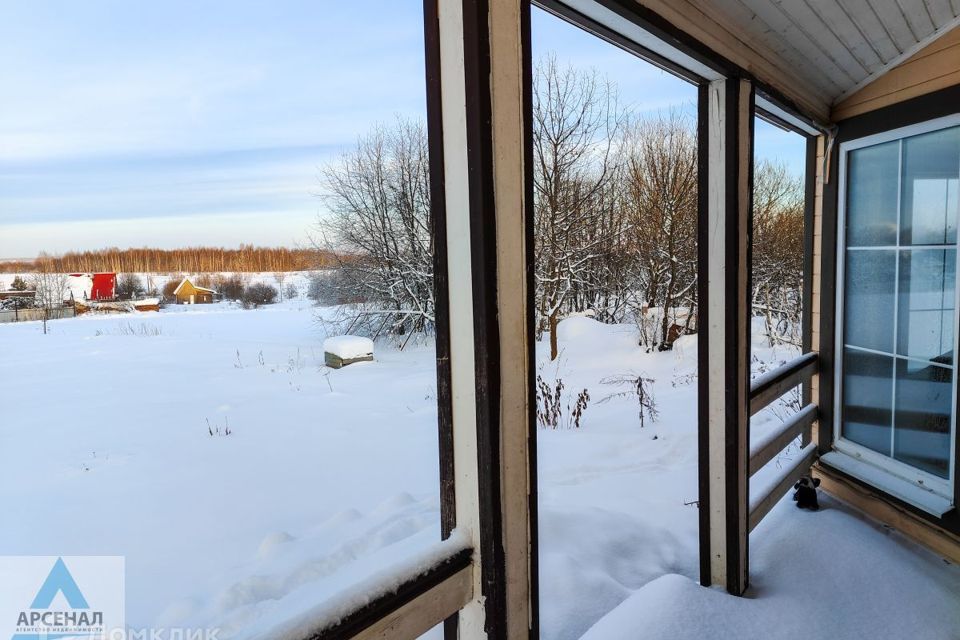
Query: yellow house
[189, 293]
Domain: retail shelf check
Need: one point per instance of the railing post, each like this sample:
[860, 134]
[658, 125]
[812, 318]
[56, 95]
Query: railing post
[478, 104]
[726, 177]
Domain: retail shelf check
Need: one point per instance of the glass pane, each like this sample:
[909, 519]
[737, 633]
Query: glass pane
[872, 195]
[931, 169]
[922, 434]
[867, 385]
[925, 307]
[869, 296]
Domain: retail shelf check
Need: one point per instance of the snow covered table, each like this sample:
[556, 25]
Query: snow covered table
[339, 351]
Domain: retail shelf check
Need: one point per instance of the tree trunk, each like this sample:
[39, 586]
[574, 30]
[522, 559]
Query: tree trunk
[665, 325]
[554, 351]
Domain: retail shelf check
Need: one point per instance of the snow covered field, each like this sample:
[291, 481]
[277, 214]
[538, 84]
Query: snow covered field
[325, 475]
[115, 442]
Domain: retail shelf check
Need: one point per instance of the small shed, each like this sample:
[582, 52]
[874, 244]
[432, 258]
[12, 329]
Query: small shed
[189, 293]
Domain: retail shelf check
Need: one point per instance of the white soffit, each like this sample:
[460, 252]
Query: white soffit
[838, 46]
[834, 47]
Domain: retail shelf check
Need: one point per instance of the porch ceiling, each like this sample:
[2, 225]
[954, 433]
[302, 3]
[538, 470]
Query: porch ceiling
[835, 46]
[814, 52]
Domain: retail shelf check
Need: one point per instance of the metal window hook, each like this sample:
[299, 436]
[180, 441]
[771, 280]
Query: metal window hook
[831, 134]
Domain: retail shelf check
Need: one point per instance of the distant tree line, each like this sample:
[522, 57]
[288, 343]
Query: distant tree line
[246, 258]
[615, 218]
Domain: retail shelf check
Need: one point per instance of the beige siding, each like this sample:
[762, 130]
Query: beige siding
[937, 66]
[199, 296]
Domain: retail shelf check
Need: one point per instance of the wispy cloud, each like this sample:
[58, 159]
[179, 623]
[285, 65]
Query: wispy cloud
[170, 122]
[148, 185]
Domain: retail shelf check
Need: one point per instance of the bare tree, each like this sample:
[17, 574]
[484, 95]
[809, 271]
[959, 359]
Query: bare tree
[259, 294]
[171, 285]
[204, 280]
[379, 224]
[51, 290]
[129, 285]
[230, 287]
[280, 276]
[661, 194]
[778, 251]
[150, 288]
[575, 122]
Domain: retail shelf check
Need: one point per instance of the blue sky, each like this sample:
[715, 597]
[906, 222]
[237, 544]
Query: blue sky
[182, 123]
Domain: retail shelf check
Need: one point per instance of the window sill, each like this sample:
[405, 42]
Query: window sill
[924, 499]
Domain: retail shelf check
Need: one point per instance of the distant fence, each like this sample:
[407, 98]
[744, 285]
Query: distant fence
[23, 315]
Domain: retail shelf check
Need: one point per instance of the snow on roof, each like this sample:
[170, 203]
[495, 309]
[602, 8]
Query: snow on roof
[185, 280]
[348, 347]
[80, 285]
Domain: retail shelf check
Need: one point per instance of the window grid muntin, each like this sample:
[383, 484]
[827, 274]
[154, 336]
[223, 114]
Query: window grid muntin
[913, 474]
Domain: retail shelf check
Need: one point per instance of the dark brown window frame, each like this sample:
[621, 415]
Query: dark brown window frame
[931, 106]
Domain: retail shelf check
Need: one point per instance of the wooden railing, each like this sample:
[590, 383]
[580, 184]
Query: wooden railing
[764, 390]
[397, 608]
[773, 384]
[765, 449]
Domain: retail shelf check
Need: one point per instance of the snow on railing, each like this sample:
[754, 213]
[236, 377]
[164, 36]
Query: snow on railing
[382, 592]
[773, 384]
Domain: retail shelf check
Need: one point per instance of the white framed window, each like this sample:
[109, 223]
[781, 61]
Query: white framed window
[897, 317]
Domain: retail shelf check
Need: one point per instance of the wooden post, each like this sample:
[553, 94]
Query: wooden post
[726, 180]
[807, 314]
[821, 432]
[478, 100]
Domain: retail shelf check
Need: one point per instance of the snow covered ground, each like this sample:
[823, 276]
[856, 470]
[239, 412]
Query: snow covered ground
[115, 442]
[325, 475]
[827, 575]
[617, 502]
